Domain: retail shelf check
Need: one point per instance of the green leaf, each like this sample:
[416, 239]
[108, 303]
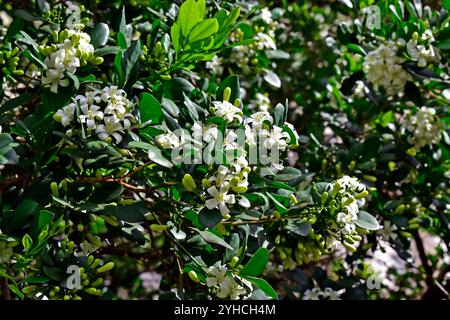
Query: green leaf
[204, 29]
[150, 109]
[154, 153]
[188, 16]
[279, 115]
[367, 221]
[210, 237]
[106, 192]
[27, 242]
[272, 78]
[40, 221]
[264, 286]
[175, 35]
[17, 218]
[209, 218]
[130, 213]
[99, 35]
[257, 263]
[16, 102]
[130, 63]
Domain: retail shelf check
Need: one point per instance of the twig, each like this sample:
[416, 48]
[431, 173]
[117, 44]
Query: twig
[423, 258]
[5, 289]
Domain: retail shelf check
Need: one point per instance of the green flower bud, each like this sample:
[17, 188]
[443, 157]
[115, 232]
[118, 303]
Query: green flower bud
[324, 198]
[193, 275]
[336, 188]
[158, 227]
[370, 178]
[226, 94]
[97, 282]
[106, 267]
[362, 194]
[234, 261]
[80, 228]
[338, 169]
[93, 291]
[189, 183]
[400, 209]
[348, 246]
[293, 198]
[54, 188]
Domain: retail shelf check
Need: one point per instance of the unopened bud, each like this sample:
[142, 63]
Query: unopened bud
[189, 183]
[106, 267]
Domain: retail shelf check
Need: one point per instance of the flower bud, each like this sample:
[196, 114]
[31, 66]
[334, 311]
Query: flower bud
[158, 227]
[400, 209]
[362, 194]
[193, 275]
[226, 94]
[189, 183]
[370, 178]
[106, 267]
[234, 261]
[54, 188]
[293, 198]
[336, 188]
[323, 198]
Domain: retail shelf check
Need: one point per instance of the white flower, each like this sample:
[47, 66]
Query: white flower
[90, 114]
[116, 100]
[257, 119]
[251, 136]
[228, 111]
[425, 128]
[110, 128]
[265, 42]
[388, 231]
[216, 275]
[383, 68]
[331, 294]
[215, 65]
[260, 103]
[55, 78]
[276, 138]
[266, 15]
[348, 183]
[230, 288]
[220, 199]
[312, 294]
[64, 59]
[65, 115]
[89, 98]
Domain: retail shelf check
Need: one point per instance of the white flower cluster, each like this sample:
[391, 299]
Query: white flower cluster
[422, 53]
[225, 285]
[261, 102]
[318, 294]
[229, 180]
[384, 69]
[215, 65]
[72, 51]
[424, 127]
[244, 55]
[349, 190]
[106, 113]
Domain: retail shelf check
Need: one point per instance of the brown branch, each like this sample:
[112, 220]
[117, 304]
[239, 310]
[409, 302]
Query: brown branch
[423, 258]
[128, 186]
[5, 289]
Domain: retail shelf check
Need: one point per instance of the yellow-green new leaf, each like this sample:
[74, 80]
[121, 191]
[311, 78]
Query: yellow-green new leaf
[204, 29]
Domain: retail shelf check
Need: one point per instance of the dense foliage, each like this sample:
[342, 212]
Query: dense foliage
[224, 150]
